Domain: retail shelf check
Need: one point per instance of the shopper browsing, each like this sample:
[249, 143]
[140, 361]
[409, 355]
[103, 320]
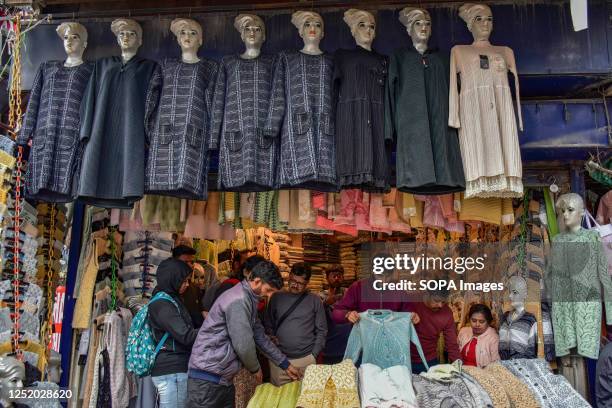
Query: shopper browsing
[436, 319]
[296, 319]
[479, 342]
[228, 339]
[362, 296]
[169, 372]
[335, 291]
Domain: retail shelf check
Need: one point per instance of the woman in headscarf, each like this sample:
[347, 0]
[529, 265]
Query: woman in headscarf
[169, 372]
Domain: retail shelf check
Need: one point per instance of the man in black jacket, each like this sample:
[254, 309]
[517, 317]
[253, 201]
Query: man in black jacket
[169, 372]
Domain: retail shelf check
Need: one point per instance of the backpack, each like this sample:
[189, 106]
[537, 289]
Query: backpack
[141, 350]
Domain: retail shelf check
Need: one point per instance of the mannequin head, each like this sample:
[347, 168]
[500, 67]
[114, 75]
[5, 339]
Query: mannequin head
[189, 37]
[517, 293]
[479, 20]
[418, 25]
[12, 375]
[129, 36]
[74, 36]
[363, 27]
[310, 27]
[252, 32]
[570, 209]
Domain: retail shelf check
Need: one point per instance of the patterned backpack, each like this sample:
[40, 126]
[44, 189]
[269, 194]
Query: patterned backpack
[141, 350]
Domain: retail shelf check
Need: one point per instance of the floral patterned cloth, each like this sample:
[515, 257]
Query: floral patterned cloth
[330, 386]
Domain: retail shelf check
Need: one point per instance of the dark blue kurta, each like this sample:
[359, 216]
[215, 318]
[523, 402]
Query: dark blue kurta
[52, 122]
[113, 128]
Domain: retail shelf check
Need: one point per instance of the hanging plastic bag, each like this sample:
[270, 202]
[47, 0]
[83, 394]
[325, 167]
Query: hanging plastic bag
[605, 232]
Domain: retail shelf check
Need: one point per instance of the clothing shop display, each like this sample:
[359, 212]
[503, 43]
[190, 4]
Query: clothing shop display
[114, 133]
[551, 390]
[428, 157]
[52, 122]
[180, 115]
[362, 154]
[333, 386]
[381, 337]
[519, 393]
[303, 84]
[456, 391]
[269, 396]
[389, 387]
[246, 126]
[518, 336]
[578, 270]
[489, 384]
[483, 112]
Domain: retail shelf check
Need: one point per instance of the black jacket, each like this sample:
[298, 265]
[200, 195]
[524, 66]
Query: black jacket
[165, 317]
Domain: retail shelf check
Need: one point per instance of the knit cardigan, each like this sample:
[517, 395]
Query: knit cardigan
[487, 346]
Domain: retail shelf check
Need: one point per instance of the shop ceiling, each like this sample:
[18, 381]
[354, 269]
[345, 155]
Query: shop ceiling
[140, 7]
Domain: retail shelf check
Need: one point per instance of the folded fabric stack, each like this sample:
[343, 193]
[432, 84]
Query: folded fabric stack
[389, 387]
[550, 390]
[28, 245]
[318, 249]
[51, 227]
[283, 241]
[270, 396]
[317, 279]
[348, 260]
[329, 386]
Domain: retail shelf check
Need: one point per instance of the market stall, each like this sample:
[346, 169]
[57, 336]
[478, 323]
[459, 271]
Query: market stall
[320, 138]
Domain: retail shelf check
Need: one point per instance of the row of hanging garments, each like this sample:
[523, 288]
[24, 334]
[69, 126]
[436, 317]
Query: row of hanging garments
[275, 124]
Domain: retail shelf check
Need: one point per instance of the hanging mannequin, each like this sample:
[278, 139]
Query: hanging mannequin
[52, 120]
[253, 34]
[310, 27]
[483, 110]
[247, 123]
[363, 27]
[518, 330]
[360, 76]
[129, 37]
[578, 271]
[113, 129]
[180, 112]
[428, 159]
[75, 42]
[189, 37]
[12, 376]
[308, 124]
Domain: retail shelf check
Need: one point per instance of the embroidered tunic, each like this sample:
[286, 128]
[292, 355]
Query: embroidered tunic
[246, 125]
[52, 122]
[179, 142]
[307, 144]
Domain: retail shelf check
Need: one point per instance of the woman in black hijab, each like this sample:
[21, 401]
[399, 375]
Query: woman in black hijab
[169, 372]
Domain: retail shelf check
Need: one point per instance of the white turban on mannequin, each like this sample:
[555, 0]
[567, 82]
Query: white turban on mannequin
[410, 15]
[299, 18]
[242, 20]
[353, 16]
[126, 24]
[469, 11]
[75, 28]
[179, 24]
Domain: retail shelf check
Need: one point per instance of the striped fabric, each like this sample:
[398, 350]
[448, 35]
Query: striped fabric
[307, 150]
[246, 124]
[178, 154]
[518, 338]
[52, 121]
[484, 113]
[362, 157]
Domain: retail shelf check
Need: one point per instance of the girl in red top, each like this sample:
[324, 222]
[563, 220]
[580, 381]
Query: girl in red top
[479, 342]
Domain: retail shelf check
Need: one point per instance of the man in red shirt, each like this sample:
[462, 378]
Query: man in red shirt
[435, 318]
